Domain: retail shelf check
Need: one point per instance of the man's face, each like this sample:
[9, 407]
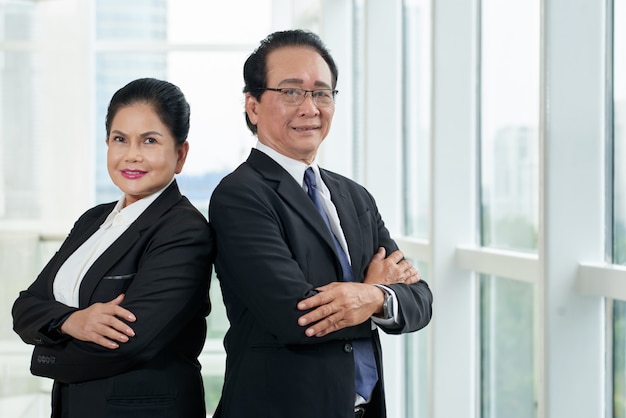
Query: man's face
[295, 131]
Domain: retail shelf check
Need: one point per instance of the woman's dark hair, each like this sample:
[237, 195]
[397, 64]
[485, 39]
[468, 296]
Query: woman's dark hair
[167, 99]
[255, 67]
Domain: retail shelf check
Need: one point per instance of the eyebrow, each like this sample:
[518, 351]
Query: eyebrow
[149, 133]
[299, 81]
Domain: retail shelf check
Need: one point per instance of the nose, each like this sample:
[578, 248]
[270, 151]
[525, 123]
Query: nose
[308, 106]
[133, 153]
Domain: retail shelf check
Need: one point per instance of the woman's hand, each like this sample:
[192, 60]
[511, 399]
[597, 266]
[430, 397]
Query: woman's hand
[100, 324]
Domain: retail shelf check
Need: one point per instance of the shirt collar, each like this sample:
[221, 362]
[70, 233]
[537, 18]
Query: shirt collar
[294, 167]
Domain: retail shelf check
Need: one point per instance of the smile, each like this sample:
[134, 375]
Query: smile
[133, 174]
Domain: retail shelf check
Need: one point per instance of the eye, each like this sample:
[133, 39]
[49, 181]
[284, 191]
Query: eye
[118, 139]
[323, 94]
[293, 92]
[150, 140]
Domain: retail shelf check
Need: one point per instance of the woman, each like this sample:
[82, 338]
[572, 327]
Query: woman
[117, 316]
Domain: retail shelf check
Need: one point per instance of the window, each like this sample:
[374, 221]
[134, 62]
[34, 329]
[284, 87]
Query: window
[619, 203]
[416, 108]
[416, 98]
[509, 127]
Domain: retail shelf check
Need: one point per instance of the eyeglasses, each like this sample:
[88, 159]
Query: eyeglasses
[294, 96]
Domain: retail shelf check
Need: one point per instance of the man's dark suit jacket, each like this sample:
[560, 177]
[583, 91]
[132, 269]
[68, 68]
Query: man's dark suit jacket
[273, 250]
[162, 264]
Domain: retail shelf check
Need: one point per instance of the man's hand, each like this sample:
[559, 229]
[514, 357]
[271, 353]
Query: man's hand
[344, 304]
[99, 324]
[390, 270]
[339, 305]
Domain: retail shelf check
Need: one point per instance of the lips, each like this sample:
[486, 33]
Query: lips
[132, 174]
[305, 128]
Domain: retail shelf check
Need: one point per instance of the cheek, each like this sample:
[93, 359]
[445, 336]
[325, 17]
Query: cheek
[111, 157]
[169, 162]
[328, 118]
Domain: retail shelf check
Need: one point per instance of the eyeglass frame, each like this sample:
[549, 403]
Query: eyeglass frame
[281, 91]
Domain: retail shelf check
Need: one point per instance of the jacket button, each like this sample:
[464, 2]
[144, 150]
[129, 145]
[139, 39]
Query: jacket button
[347, 348]
[38, 340]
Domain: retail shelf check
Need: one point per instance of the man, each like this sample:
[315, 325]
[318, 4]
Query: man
[304, 304]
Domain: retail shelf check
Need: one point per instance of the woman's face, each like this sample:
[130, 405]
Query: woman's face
[142, 154]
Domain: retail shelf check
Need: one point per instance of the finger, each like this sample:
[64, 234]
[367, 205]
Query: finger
[405, 265]
[413, 277]
[119, 311]
[314, 301]
[100, 334]
[123, 328]
[118, 299]
[116, 335]
[105, 342]
[396, 256]
[108, 332]
[380, 254]
[124, 313]
[316, 315]
[324, 327]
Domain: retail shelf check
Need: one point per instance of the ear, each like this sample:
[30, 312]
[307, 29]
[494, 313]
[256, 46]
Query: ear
[181, 151]
[252, 105]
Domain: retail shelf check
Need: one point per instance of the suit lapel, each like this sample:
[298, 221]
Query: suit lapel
[92, 225]
[292, 193]
[125, 242]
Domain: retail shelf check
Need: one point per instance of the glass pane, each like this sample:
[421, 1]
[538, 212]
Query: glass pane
[417, 358]
[417, 117]
[358, 86]
[619, 208]
[137, 20]
[229, 22]
[509, 123]
[24, 96]
[19, 170]
[21, 394]
[619, 359]
[17, 20]
[219, 22]
[619, 132]
[507, 349]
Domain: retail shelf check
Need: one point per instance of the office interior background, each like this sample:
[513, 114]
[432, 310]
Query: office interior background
[491, 132]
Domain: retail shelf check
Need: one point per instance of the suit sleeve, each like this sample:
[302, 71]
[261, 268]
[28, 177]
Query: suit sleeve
[170, 289]
[262, 278]
[415, 300]
[35, 310]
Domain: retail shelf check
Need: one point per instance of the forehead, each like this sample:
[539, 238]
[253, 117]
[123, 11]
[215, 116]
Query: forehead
[297, 64]
[135, 109]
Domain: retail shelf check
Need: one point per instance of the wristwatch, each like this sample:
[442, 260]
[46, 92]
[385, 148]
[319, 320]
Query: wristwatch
[387, 304]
